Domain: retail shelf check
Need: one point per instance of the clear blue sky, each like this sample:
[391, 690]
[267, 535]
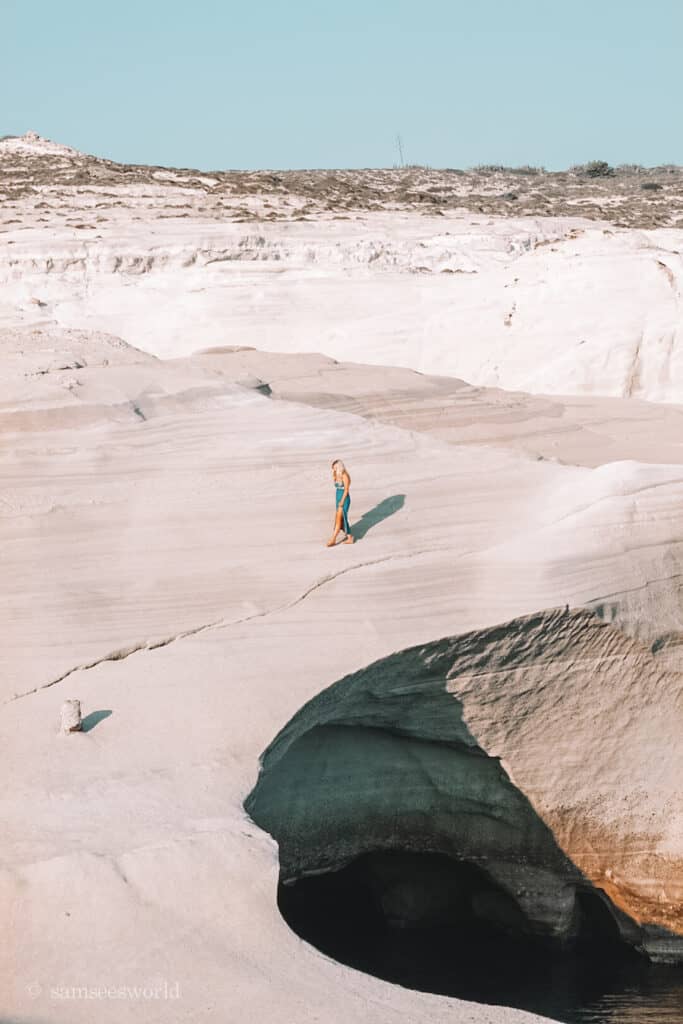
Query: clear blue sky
[220, 84]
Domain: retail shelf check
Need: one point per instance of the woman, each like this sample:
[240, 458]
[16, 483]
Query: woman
[342, 482]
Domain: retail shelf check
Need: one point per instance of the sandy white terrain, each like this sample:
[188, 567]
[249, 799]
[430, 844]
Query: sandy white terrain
[162, 525]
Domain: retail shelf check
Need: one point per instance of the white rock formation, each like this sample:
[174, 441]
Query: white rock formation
[162, 528]
[175, 261]
[560, 307]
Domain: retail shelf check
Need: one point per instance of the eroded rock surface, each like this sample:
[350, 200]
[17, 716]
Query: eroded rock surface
[544, 751]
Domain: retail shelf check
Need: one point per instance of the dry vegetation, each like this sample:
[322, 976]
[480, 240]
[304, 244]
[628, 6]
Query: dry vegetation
[62, 185]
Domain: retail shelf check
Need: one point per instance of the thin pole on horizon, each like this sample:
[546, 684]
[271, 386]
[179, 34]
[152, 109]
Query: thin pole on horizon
[399, 143]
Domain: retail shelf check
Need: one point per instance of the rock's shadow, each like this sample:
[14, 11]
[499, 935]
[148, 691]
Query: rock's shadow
[93, 719]
[387, 507]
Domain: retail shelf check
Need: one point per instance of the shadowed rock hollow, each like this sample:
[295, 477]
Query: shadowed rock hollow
[531, 752]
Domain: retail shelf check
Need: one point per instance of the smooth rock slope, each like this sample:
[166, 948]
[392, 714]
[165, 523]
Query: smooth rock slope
[167, 565]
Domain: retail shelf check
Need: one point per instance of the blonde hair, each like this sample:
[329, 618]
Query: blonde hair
[339, 470]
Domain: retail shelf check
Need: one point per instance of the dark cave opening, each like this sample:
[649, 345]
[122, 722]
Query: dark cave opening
[435, 924]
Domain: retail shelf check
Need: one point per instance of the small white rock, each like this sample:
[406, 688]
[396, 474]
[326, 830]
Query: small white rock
[71, 716]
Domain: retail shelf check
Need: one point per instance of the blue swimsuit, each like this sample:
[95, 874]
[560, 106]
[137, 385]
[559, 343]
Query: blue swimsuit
[345, 507]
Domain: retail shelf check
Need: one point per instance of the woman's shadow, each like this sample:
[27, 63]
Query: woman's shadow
[375, 515]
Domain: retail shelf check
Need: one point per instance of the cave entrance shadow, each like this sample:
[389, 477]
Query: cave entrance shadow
[385, 508]
[354, 916]
[524, 927]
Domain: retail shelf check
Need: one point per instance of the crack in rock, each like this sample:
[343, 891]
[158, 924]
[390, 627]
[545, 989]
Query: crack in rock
[152, 645]
[634, 372]
[635, 590]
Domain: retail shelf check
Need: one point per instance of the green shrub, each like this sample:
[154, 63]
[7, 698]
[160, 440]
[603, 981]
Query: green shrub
[598, 169]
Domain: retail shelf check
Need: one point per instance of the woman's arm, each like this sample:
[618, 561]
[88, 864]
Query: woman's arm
[346, 480]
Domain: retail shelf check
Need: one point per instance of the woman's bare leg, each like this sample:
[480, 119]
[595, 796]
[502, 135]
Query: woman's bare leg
[337, 528]
[348, 538]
